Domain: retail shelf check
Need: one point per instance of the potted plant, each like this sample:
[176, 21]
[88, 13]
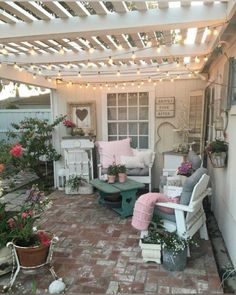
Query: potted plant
[217, 152]
[184, 170]
[122, 173]
[174, 251]
[112, 171]
[31, 246]
[69, 126]
[78, 185]
[151, 243]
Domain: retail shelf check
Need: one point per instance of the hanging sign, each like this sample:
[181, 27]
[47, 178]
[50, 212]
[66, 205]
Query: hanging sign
[165, 107]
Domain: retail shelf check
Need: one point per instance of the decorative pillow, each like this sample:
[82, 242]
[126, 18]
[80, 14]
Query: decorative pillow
[131, 162]
[189, 185]
[145, 156]
[194, 159]
[110, 151]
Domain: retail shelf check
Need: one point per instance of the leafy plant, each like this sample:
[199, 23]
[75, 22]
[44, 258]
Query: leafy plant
[121, 169]
[155, 230]
[112, 169]
[75, 181]
[217, 146]
[20, 226]
[34, 145]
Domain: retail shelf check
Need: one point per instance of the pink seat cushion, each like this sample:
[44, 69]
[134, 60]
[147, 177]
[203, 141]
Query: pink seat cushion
[111, 151]
[168, 199]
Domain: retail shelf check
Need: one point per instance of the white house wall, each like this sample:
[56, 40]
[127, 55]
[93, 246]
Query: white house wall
[180, 89]
[223, 179]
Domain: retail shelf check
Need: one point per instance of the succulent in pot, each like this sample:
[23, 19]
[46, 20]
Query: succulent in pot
[112, 172]
[122, 173]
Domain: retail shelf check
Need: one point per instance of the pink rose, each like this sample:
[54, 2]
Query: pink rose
[24, 215]
[11, 222]
[16, 150]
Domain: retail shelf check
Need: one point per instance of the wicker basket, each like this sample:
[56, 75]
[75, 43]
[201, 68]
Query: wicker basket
[218, 160]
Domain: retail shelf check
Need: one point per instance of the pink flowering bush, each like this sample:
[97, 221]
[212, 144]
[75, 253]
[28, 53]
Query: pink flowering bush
[68, 123]
[16, 150]
[185, 169]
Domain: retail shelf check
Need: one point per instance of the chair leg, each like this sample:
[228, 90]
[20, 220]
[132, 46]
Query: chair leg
[203, 232]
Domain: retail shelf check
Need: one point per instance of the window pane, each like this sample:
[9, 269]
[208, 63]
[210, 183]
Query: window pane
[122, 137]
[112, 138]
[122, 128]
[143, 98]
[143, 113]
[111, 114]
[143, 142]
[134, 141]
[133, 113]
[132, 99]
[112, 128]
[122, 99]
[122, 113]
[111, 99]
[133, 128]
[143, 128]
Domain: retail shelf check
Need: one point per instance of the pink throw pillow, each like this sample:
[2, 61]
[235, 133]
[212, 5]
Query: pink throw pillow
[169, 210]
[111, 151]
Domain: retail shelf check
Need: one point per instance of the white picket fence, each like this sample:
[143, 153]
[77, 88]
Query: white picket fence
[15, 116]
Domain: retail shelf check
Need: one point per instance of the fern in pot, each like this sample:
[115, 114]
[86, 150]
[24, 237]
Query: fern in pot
[78, 185]
[122, 173]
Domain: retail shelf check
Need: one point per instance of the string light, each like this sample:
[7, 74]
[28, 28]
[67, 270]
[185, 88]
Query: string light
[59, 73]
[158, 68]
[158, 49]
[79, 74]
[133, 55]
[110, 61]
[209, 31]
[197, 60]
[205, 58]
[4, 50]
[49, 79]
[116, 86]
[149, 43]
[61, 51]
[155, 83]
[91, 50]
[101, 87]
[118, 73]
[149, 79]
[20, 69]
[34, 76]
[32, 51]
[15, 65]
[215, 32]
[138, 71]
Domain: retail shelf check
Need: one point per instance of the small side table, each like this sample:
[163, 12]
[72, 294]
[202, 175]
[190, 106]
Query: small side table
[127, 191]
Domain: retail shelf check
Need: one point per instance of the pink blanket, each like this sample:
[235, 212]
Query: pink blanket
[144, 206]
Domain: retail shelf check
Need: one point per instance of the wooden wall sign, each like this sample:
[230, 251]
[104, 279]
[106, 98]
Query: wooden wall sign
[165, 107]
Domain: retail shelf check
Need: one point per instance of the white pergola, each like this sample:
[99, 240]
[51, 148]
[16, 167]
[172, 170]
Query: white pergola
[97, 42]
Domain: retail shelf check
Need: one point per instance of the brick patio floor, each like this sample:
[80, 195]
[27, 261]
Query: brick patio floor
[98, 252]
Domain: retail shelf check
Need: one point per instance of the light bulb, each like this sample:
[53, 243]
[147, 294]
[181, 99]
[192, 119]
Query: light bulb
[138, 71]
[133, 55]
[91, 50]
[215, 32]
[110, 61]
[197, 60]
[79, 74]
[158, 49]
[32, 51]
[149, 80]
[118, 73]
[158, 69]
[61, 51]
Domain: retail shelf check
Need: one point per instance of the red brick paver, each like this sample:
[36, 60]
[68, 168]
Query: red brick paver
[98, 252]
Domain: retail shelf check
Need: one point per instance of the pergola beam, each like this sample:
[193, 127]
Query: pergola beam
[111, 24]
[98, 55]
[9, 73]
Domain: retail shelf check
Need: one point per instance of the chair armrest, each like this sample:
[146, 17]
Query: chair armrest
[176, 206]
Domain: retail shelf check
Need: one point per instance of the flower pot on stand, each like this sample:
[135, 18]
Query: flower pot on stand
[122, 177]
[111, 178]
[174, 261]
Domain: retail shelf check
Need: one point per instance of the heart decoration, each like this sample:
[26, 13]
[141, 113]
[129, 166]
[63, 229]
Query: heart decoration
[81, 114]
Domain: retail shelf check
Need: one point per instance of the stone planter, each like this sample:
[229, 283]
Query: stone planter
[151, 252]
[218, 160]
[5, 260]
[81, 190]
[175, 262]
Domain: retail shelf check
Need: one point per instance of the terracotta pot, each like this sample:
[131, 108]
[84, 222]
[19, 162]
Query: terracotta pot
[31, 256]
[111, 178]
[122, 177]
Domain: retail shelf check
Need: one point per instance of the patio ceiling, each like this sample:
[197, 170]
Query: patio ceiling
[109, 42]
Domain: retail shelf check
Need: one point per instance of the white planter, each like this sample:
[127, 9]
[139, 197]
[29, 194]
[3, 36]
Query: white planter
[151, 252]
[5, 260]
[82, 190]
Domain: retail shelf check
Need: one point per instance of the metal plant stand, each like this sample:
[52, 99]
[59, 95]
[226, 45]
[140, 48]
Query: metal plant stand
[16, 262]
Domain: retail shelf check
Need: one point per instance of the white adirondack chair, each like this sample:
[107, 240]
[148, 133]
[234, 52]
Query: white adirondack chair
[190, 218]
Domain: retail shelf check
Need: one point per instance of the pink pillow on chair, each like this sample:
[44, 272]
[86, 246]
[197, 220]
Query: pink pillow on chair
[169, 210]
[110, 151]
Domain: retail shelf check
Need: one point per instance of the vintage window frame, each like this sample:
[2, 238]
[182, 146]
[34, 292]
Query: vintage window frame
[72, 107]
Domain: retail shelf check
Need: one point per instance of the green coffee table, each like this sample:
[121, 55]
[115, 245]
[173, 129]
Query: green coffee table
[127, 191]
